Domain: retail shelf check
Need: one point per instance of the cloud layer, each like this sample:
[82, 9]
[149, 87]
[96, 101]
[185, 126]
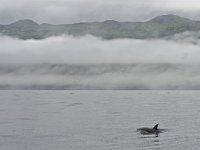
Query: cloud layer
[101, 77]
[90, 50]
[91, 63]
[70, 11]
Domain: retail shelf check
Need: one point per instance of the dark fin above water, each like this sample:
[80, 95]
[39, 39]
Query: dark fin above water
[156, 126]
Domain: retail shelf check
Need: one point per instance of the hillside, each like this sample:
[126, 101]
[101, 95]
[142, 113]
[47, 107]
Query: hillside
[158, 27]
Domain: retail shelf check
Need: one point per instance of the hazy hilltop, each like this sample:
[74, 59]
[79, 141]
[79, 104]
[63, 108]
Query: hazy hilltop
[158, 27]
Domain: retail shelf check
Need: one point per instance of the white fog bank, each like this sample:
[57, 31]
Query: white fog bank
[88, 49]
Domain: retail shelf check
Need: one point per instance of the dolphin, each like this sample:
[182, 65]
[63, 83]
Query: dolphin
[149, 131]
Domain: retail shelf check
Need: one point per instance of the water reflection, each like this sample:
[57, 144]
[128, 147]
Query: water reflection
[149, 142]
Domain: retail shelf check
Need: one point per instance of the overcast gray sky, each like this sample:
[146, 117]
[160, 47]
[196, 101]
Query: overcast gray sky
[70, 11]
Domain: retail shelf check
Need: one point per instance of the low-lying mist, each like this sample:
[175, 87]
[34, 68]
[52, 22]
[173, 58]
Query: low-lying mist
[90, 63]
[92, 50]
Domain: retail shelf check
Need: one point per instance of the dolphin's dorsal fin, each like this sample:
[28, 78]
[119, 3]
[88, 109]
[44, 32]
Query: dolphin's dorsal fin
[156, 126]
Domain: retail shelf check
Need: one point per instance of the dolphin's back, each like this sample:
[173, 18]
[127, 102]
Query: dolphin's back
[147, 131]
[153, 130]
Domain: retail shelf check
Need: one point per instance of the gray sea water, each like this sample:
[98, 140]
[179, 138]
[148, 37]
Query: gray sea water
[98, 120]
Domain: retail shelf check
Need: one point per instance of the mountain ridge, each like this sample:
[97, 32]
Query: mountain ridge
[157, 27]
[170, 18]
